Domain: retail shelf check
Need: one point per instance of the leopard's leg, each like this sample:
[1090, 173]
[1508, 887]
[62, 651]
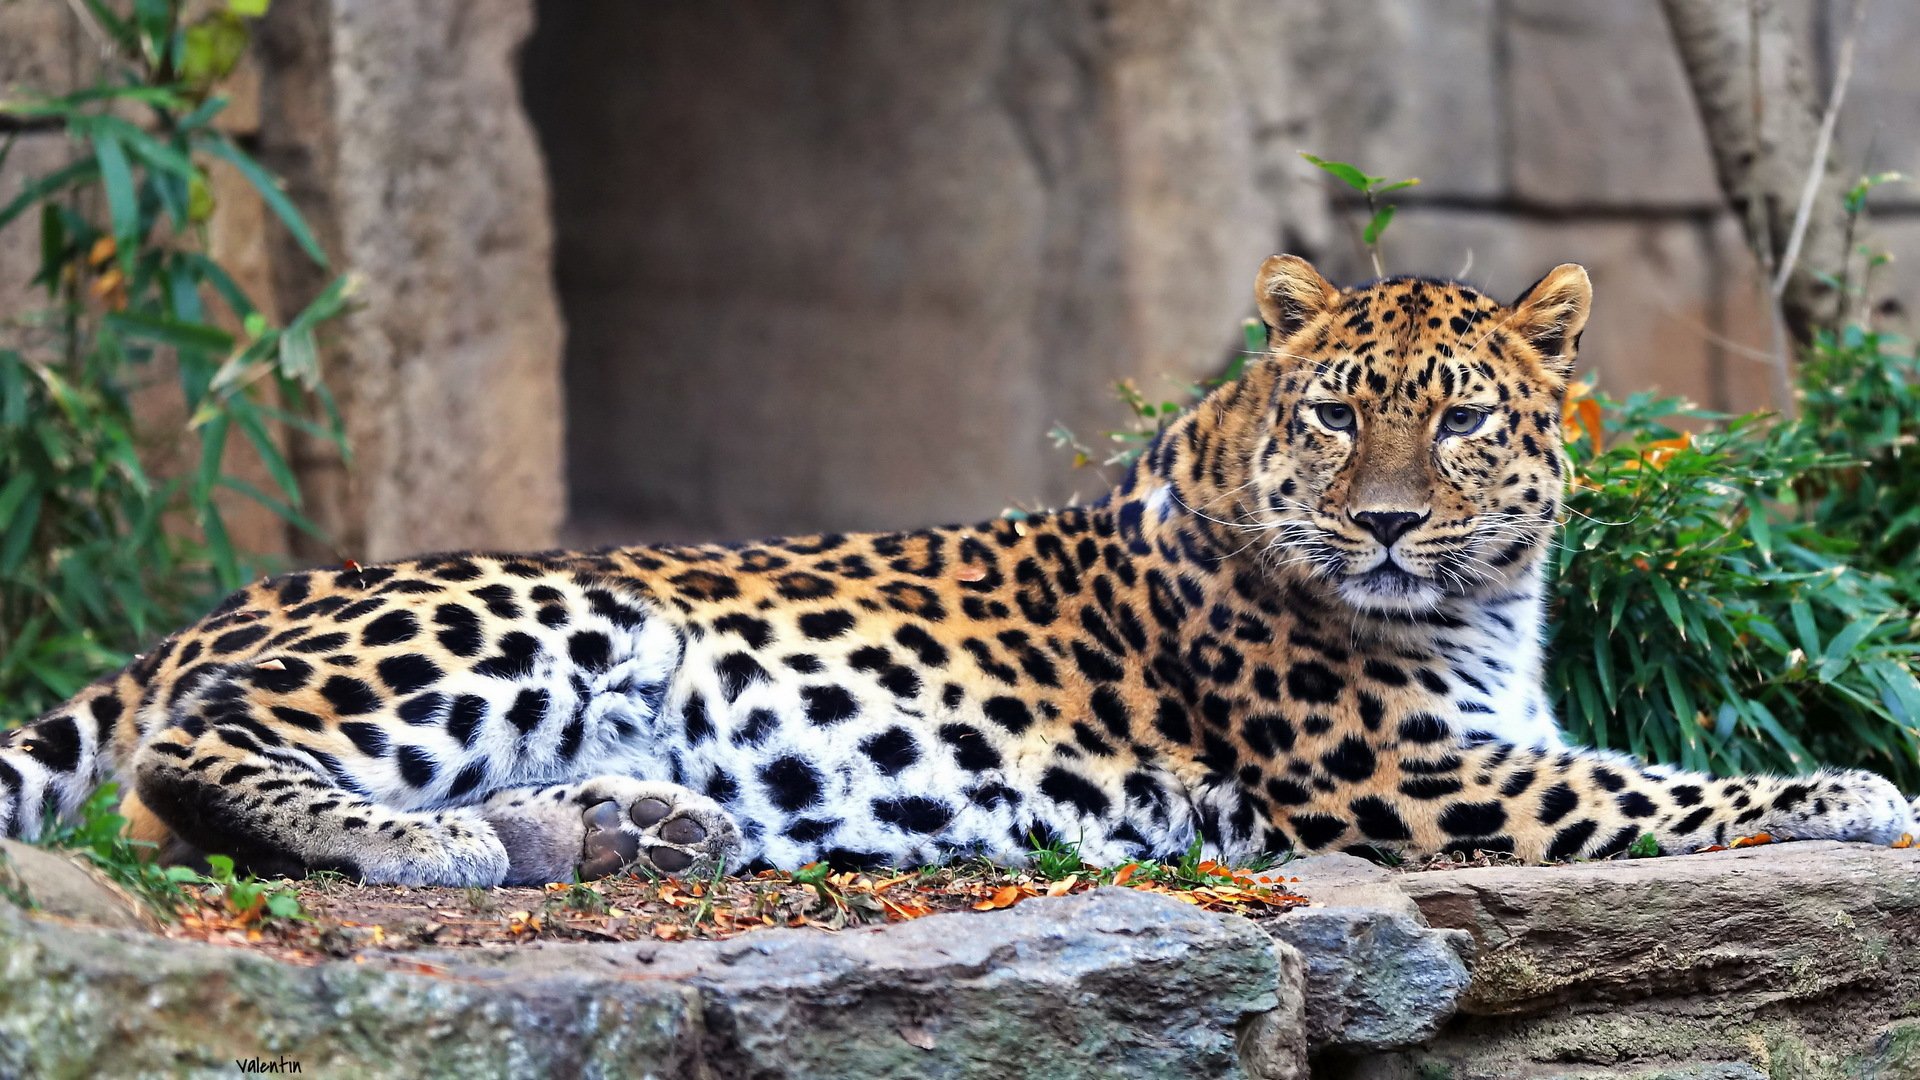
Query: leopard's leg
[608, 824]
[275, 813]
[1551, 805]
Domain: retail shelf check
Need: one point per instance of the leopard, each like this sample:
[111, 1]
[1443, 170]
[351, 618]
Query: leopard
[1308, 618]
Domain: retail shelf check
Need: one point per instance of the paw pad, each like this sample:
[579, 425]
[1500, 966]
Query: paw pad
[683, 831]
[651, 826]
[608, 848]
[648, 812]
[669, 860]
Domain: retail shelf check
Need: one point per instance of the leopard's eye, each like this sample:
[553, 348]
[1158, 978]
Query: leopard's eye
[1462, 420]
[1335, 415]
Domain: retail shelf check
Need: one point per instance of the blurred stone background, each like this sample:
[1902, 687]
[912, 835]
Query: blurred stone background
[843, 263]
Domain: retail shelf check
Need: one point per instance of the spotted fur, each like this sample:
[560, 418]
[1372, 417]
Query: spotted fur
[1309, 618]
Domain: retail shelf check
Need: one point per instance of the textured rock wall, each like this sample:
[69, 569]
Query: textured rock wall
[844, 264]
[399, 127]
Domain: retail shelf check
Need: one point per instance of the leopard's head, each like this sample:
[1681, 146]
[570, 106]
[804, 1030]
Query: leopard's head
[1410, 449]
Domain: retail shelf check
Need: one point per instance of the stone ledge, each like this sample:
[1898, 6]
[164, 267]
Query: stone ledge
[1789, 961]
[1786, 961]
[1108, 983]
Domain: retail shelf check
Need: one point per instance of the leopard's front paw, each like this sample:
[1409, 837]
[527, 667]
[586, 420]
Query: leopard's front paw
[661, 828]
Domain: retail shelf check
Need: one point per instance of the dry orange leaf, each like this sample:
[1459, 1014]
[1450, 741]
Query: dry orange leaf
[1755, 840]
[1004, 897]
[1582, 417]
[1905, 841]
[1126, 873]
[1656, 454]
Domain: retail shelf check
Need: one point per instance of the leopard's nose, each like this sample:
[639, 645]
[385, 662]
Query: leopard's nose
[1388, 525]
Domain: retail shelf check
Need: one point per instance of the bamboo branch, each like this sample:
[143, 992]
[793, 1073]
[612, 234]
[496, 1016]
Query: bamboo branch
[1763, 124]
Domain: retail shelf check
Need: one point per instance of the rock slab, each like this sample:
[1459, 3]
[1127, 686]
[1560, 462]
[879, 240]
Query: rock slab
[1378, 977]
[1787, 961]
[1109, 983]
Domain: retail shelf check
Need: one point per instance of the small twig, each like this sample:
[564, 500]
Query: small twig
[1778, 361]
[1750, 352]
[1756, 196]
[1373, 249]
[1822, 145]
[1853, 225]
[93, 28]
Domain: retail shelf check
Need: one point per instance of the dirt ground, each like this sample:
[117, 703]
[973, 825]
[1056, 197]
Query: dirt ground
[339, 918]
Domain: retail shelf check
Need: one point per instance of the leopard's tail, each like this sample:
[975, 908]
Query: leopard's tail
[1551, 805]
[50, 766]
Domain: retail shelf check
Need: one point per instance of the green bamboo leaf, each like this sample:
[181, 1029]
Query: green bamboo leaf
[280, 509]
[1678, 697]
[226, 563]
[14, 658]
[1352, 177]
[1253, 333]
[1670, 603]
[14, 390]
[123, 205]
[1769, 635]
[237, 368]
[1603, 666]
[17, 538]
[182, 335]
[1804, 625]
[1378, 224]
[1840, 649]
[110, 21]
[270, 191]
[153, 18]
[206, 270]
[53, 247]
[1590, 707]
[269, 452]
[1797, 754]
[213, 445]
[148, 149]
[299, 358]
[82, 584]
[83, 171]
[1757, 525]
[59, 682]
[14, 496]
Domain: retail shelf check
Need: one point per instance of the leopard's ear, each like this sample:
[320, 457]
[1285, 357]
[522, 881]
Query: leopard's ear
[1290, 293]
[1550, 315]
